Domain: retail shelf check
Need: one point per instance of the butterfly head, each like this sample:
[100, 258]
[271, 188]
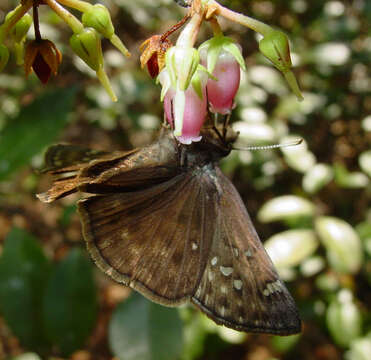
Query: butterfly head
[218, 140]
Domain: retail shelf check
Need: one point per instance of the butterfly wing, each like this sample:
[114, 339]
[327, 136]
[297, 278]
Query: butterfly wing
[240, 287]
[100, 173]
[155, 240]
[66, 155]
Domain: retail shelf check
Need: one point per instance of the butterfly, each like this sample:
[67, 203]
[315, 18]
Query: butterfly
[165, 220]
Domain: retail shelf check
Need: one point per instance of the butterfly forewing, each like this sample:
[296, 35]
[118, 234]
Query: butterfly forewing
[155, 240]
[240, 287]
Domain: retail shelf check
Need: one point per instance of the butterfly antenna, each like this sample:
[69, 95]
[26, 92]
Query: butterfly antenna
[268, 147]
[226, 120]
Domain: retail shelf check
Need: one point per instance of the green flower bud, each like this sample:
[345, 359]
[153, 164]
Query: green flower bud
[87, 46]
[4, 56]
[275, 47]
[19, 52]
[182, 63]
[21, 28]
[99, 18]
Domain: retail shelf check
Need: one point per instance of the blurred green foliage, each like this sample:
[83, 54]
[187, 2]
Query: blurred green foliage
[311, 203]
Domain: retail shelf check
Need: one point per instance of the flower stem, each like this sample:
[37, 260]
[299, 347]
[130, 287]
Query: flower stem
[103, 78]
[174, 28]
[217, 30]
[188, 36]
[35, 13]
[19, 11]
[76, 26]
[77, 4]
[244, 20]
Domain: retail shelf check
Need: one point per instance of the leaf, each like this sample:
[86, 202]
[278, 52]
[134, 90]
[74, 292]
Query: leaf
[349, 180]
[360, 349]
[364, 161]
[343, 245]
[284, 207]
[24, 270]
[344, 319]
[142, 330]
[291, 247]
[284, 344]
[26, 356]
[194, 333]
[317, 177]
[36, 126]
[298, 157]
[70, 306]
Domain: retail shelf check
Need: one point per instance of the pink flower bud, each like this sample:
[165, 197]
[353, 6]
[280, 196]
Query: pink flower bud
[222, 92]
[193, 109]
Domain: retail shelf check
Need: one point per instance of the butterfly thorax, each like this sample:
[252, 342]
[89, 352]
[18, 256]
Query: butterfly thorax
[207, 152]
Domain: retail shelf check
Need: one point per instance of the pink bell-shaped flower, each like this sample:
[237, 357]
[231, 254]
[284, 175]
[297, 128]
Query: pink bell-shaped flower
[223, 60]
[221, 92]
[186, 108]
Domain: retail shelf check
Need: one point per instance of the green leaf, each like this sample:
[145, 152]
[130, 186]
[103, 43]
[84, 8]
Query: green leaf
[317, 177]
[343, 245]
[36, 126]
[24, 270]
[360, 349]
[67, 214]
[70, 306]
[344, 319]
[194, 333]
[349, 180]
[26, 356]
[283, 344]
[291, 247]
[285, 207]
[142, 330]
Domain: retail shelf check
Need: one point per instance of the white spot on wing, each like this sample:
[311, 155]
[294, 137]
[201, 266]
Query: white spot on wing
[237, 284]
[272, 287]
[223, 289]
[235, 251]
[248, 253]
[226, 270]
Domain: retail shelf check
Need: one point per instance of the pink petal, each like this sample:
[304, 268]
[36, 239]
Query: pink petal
[222, 92]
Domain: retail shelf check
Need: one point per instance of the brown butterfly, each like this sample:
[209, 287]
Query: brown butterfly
[165, 221]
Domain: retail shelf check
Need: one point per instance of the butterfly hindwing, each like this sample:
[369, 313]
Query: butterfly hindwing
[155, 240]
[240, 287]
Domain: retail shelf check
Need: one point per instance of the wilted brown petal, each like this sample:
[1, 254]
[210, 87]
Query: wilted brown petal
[41, 68]
[43, 57]
[153, 53]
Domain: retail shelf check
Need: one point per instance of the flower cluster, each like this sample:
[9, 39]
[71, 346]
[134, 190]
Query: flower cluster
[195, 81]
[42, 56]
